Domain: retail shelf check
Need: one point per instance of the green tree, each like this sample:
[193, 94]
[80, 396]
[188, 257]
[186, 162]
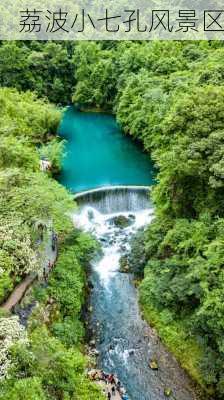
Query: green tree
[24, 389]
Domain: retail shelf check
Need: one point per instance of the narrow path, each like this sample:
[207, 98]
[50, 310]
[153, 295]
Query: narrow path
[18, 292]
[49, 256]
[107, 388]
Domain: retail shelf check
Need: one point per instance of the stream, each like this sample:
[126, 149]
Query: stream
[125, 343]
[99, 156]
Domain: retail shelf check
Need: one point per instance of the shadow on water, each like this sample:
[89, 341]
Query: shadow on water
[124, 341]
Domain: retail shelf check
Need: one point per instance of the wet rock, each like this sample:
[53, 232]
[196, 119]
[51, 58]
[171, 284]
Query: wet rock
[123, 247]
[125, 269]
[121, 221]
[92, 343]
[103, 239]
[101, 340]
[90, 215]
[154, 365]
[93, 353]
[167, 392]
[90, 285]
[124, 266]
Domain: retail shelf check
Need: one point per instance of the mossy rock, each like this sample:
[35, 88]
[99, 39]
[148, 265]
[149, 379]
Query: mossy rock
[125, 269]
[124, 266]
[132, 217]
[136, 282]
[167, 392]
[154, 365]
[121, 221]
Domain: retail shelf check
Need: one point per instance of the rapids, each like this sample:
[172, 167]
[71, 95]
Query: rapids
[124, 341]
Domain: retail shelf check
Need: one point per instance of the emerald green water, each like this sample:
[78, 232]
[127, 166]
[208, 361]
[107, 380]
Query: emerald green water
[99, 154]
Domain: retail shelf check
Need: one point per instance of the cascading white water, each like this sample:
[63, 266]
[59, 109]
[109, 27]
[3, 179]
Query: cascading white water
[113, 239]
[124, 341]
[115, 199]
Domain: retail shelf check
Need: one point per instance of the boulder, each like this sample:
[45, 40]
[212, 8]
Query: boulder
[102, 239]
[131, 217]
[124, 266]
[123, 248]
[90, 215]
[121, 221]
[167, 392]
[90, 285]
[154, 365]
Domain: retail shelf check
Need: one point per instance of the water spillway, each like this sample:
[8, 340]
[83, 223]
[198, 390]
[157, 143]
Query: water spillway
[115, 198]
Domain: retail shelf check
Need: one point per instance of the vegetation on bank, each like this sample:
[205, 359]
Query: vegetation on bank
[50, 364]
[27, 196]
[47, 361]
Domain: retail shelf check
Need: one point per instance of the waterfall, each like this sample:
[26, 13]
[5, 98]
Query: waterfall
[116, 198]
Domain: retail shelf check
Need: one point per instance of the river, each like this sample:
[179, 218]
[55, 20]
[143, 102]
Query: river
[125, 343]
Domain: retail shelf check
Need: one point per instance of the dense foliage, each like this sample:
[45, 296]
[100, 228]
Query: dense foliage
[45, 68]
[27, 195]
[170, 96]
[50, 364]
[47, 362]
[25, 123]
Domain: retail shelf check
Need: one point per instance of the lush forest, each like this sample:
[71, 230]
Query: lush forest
[47, 360]
[169, 96]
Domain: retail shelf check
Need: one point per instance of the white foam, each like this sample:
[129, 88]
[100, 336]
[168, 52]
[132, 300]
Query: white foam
[112, 238]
